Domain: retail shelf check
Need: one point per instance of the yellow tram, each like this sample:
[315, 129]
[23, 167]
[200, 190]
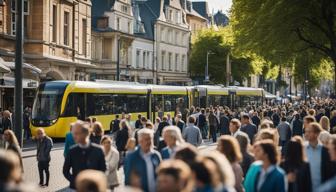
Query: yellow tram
[59, 103]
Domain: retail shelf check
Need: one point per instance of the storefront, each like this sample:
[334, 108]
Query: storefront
[30, 83]
[7, 92]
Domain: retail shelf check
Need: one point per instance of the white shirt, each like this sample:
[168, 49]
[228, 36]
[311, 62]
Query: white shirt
[263, 176]
[150, 171]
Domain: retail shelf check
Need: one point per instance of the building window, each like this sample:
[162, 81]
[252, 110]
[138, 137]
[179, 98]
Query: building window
[144, 60]
[163, 34]
[177, 38]
[137, 60]
[25, 17]
[170, 36]
[118, 23]
[170, 15]
[84, 35]
[183, 63]
[66, 27]
[54, 23]
[124, 8]
[129, 28]
[176, 62]
[170, 67]
[148, 60]
[163, 56]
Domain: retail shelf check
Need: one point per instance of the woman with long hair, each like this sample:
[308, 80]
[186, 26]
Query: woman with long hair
[325, 123]
[112, 160]
[97, 132]
[11, 143]
[265, 174]
[297, 168]
[229, 147]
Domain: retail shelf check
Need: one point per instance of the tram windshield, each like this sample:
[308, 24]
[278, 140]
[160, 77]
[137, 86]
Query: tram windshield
[47, 103]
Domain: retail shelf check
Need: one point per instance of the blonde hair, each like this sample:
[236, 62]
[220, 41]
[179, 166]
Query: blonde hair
[174, 132]
[324, 137]
[325, 123]
[12, 137]
[131, 144]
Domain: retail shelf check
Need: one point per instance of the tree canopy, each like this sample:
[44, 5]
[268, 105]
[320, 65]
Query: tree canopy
[219, 43]
[291, 33]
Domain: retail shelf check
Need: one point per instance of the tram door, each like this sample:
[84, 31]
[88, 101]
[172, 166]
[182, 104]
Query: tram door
[202, 93]
[232, 99]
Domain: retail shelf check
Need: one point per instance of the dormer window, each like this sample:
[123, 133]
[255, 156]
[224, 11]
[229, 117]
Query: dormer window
[170, 15]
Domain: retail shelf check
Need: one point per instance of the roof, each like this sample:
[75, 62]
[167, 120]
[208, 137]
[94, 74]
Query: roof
[190, 10]
[149, 13]
[99, 7]
[202, 8]
[173, 3]
[221, 19]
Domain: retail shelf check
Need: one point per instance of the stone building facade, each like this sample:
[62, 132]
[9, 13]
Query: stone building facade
[57, 36]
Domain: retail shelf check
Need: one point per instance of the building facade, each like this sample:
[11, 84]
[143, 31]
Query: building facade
[194, 19]
[147, 40]
[57, 36]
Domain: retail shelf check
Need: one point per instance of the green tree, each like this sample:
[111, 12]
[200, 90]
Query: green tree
[284, 31]
[219, 43]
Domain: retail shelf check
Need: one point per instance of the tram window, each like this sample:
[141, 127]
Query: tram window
[75, 106]
[107, 104]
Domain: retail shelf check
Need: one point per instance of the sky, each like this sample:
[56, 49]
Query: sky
[218, 5]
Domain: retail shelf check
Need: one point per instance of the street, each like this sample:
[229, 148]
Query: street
[57, 180]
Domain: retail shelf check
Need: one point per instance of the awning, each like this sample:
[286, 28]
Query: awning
[9, 82]
[3, 67]
[11, 65]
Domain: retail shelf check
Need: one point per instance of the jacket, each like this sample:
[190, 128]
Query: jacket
[328, 168]
[250, 130]
[201, 121]
[69, 141]
[213, 121]
[161, 126]
[297, 127]
[192, 135]
[275, 180]
[136, 165]
[79, 159]
[43, 149]
[303, 179]
[6, 124]
[165, 153]
[224, 125]
[122, 138]
[112, 161]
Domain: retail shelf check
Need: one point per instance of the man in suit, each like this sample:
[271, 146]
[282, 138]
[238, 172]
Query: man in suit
[247, 127]
[162, 125]
[84, 155]
[173, 138]
[330, 185]
[224, 123]
[202, 123]
[141, 164]
[318, 157]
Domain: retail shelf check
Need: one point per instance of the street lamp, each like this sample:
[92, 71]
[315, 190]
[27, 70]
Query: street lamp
[290, 86]
[207, 79]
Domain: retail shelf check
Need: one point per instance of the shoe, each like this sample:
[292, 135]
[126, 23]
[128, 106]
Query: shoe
[40, 184]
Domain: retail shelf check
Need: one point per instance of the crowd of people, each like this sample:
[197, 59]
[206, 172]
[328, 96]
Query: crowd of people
[289, 147]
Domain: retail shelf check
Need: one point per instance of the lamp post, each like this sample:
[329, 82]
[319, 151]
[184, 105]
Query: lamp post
[206, 78]
[290, 86]
[118, 59]
[18, 113]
